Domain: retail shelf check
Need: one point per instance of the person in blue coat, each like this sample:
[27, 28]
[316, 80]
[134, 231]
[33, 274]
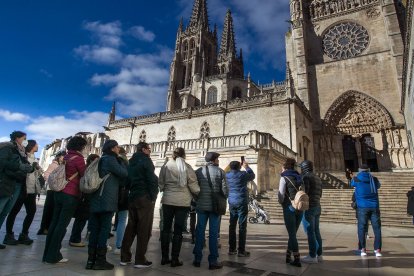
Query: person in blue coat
[238, 204]
[366, 193]
[103, 204]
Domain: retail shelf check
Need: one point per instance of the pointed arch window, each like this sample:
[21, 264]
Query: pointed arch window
[171, 134]
[212, 95]
[192, 48]
[143, 136]
[185, 49]
[205, 131]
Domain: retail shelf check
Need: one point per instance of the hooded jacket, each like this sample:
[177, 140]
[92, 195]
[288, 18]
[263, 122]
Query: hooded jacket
[366, 190]
[237, 181]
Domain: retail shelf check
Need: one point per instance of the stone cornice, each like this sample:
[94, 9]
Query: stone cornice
[262, 100]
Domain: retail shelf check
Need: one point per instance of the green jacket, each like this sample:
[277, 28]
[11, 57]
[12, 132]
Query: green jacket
[142, 179]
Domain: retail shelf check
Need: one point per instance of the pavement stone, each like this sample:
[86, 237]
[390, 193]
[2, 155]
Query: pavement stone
[267, 244]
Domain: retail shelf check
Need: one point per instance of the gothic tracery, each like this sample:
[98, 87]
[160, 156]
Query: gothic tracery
[143, 136]
[205, 131]
[171, 134]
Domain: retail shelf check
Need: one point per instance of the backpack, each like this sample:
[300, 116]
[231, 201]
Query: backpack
[91, 181]
[57, 179]
[301, 200]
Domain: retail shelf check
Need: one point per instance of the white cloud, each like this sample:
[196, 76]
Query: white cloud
[98, 54]
[107, 34]
[4, 139]
[49, 128]
[139, 32]
[13, 116]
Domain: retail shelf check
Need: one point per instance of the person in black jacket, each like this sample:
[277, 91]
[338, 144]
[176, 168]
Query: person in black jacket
[142, 196]
[103, 204]
[13, 170]
[313, 188]
[410, 203]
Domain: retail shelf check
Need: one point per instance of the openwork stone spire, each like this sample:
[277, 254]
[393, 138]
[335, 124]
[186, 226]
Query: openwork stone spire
[199, 18]
[112, 114]
[228, 43]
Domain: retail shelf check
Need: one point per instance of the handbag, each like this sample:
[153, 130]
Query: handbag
[219, 200]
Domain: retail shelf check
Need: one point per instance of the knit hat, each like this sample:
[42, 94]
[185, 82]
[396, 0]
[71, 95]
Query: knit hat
[211, 156]
[363, 168]
[108, 145]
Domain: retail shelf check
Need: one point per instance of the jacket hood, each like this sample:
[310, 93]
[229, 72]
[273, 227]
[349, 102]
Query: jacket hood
[6, 144]
[364, 176]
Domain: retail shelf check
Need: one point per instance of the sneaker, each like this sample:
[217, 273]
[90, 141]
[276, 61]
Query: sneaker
[108, 248]
[244, 254]
[125, 263]
[144, 265]
[63, 261]
[378, 253]
[24, 239]
[77, 244]
[117, 251]
[232, 252]
[363, 252]
[310, 260]
[320, 259]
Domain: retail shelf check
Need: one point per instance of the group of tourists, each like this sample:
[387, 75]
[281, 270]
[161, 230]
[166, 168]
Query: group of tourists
[129, 189]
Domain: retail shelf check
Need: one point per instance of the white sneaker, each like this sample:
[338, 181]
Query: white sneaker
[63, 261]
[363, 252]
[108, 247]
[309, 260]
[378, 253]
[320, 259]
[117, 251]
[125, 263]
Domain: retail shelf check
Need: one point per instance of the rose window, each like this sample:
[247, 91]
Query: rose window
[345, 40]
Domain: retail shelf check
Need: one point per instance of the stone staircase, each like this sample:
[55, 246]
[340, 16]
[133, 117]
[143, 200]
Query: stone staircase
[336, 199]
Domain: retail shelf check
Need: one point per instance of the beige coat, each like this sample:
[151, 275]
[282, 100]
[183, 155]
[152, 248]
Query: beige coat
[173, 193]
[32, 179]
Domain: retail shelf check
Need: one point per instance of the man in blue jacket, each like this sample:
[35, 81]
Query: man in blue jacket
[366, 193]
[238, 204]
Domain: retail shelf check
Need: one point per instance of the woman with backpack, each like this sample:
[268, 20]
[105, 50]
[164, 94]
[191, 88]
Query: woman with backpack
[103, 204]
[66, 200]
[290, 183]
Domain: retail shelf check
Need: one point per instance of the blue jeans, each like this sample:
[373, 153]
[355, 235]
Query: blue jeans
[312, 217]
[7, 203]
[120, 229]
[213, 219]
[100, 226]
[373, 215]
[238, 213]
[292, 222]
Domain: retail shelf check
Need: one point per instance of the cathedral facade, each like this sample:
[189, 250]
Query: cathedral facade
[339, 104]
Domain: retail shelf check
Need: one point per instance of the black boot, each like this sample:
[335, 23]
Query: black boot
[165, 248]
[288, 256]
[101, 263]
[296, 261]
[24, 239]
[175, 252]
[10, 240]
[91, 258]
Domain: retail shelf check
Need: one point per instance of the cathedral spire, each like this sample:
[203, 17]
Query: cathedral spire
[199, 18]
[112, 114]
[228, 43]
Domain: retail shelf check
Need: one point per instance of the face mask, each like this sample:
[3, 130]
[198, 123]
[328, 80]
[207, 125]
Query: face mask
[25, 143]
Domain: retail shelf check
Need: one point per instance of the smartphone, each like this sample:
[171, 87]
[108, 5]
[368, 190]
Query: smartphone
[242, 160]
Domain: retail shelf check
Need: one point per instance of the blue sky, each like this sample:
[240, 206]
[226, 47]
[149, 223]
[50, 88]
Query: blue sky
[63, 63]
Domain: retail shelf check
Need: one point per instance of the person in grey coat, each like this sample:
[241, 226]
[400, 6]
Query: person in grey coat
[205, 209]
[103, 204]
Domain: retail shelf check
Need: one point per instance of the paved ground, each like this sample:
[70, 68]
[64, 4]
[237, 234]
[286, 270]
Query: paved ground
[267, 244]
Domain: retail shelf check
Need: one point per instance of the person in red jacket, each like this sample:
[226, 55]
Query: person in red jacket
[66, 201]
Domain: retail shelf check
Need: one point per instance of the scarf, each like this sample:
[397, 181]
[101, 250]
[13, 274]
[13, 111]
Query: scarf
[182, 171]
[21, 149]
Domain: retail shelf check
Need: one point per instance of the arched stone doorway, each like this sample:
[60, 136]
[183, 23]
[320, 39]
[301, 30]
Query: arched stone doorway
[355, 131]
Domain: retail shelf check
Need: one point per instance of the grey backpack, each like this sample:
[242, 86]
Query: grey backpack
[91, 181]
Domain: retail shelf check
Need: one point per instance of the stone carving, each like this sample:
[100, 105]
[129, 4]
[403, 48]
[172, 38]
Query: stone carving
[295, 9]
[357, 113]
[171, 134]
[143, 136]
[373, 13]
[345, 40]
[205, 131]
[322, 8]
